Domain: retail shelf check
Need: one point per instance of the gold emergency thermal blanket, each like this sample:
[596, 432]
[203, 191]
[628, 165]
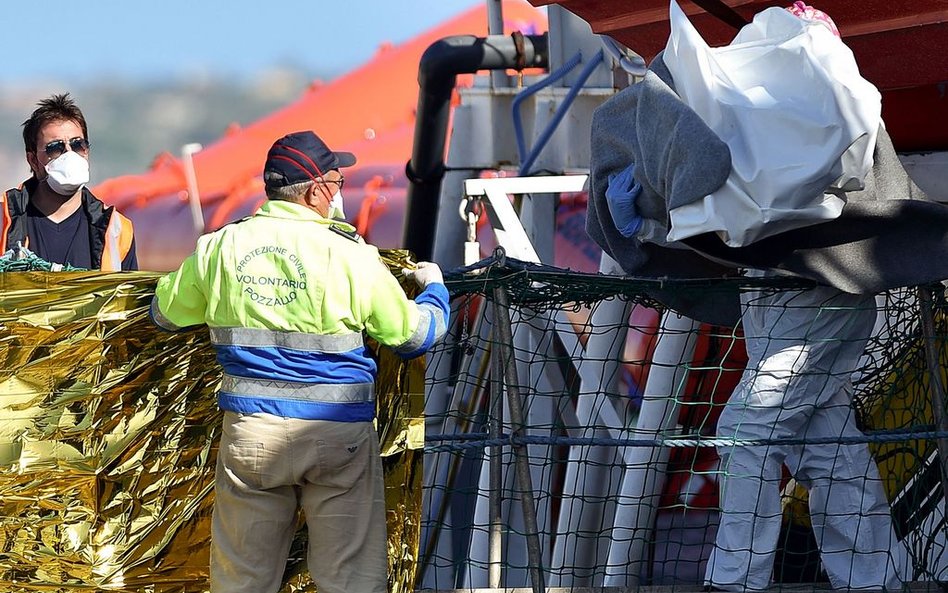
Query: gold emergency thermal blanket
[108, 441]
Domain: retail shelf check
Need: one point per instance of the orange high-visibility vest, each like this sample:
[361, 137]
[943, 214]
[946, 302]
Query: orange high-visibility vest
[118, 234]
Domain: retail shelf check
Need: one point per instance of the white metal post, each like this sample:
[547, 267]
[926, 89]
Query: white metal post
[645, 467]
[592, 473]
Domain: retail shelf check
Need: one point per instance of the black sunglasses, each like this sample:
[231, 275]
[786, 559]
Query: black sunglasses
[57, 147]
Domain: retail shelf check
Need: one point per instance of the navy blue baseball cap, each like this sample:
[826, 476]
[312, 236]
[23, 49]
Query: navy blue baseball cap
[299, 157]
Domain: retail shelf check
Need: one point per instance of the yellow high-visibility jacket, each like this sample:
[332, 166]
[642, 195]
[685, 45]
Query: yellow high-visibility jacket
[287, 294]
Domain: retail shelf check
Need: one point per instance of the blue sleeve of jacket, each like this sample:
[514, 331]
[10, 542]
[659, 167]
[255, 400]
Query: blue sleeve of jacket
[435, 315]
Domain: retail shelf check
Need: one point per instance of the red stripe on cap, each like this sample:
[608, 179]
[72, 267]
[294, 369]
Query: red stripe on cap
[297, 164]
[305, 156]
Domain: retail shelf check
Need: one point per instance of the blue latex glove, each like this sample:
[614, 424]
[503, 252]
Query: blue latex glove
[621, 194]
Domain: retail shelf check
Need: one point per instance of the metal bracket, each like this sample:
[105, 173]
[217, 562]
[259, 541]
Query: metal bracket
[507, 226]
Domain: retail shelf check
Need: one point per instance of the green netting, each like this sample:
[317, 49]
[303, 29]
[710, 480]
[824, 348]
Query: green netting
[21, 259]
[622, 401]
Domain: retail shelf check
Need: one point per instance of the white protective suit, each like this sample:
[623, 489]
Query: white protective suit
[802, 348]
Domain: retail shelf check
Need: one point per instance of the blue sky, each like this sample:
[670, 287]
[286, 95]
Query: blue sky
[150, 40]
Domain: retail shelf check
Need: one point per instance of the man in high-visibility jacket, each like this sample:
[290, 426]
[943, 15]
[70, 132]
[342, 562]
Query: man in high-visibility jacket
[287, 294]
[53, 213]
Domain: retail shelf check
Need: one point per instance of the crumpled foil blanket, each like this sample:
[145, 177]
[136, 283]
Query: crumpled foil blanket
[108, 441]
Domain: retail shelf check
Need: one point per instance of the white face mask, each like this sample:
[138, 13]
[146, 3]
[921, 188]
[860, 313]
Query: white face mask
[335, 206]
[67, 173]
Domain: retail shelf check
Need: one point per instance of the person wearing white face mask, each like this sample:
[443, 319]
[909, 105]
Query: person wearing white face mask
[53, 213]
[336, 209]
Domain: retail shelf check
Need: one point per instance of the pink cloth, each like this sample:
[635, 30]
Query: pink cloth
[809, 13]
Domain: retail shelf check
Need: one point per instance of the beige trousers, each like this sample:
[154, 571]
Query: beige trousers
[270, 466]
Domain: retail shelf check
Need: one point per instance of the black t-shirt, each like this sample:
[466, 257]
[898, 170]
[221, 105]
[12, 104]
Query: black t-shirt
[66, 242]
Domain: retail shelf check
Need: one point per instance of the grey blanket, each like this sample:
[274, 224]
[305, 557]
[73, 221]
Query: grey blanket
[888, 235]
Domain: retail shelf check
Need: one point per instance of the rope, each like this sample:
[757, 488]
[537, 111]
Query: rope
[527, 164]
[557, 74]
[460, 442]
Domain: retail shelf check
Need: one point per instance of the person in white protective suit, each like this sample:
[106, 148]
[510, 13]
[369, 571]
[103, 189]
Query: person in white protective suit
[802, 348]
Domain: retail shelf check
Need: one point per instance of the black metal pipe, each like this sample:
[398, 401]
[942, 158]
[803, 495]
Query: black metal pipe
[437, 72]
[503, 344]
[932, 357]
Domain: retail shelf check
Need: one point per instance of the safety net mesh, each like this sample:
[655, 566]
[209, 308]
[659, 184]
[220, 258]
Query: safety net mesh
[830, 440]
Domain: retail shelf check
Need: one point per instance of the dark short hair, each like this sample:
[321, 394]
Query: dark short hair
[55, 108]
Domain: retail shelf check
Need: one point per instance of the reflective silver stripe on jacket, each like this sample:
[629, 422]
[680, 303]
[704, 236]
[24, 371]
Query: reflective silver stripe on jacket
[430, 314]
[162, 321]
[313, 392]
[114, 232]
[245, 336]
